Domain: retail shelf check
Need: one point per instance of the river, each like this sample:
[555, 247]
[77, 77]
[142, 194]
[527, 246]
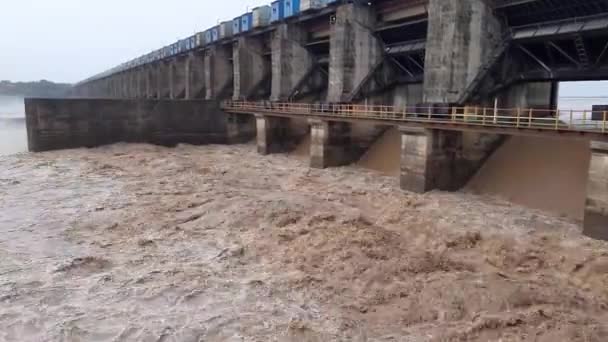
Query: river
[13, 136]
[217, 243]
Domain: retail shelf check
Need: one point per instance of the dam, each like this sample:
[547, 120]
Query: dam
[307, 171]
[457, 82]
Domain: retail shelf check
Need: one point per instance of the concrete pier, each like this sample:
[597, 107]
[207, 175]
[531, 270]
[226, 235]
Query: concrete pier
[537, 95]
[354, 50]
[273, 134]
[291, 61]
[596, 206]
[434, 159]
[163, 80]
[195, 76]
[177, 77]
[218, 71]
[251, 67]
[150, 82]
[240, 128]
[425, 161]
[330, 143]
[461, 35]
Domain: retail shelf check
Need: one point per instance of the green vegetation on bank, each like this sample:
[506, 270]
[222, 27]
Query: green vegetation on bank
[41, 88]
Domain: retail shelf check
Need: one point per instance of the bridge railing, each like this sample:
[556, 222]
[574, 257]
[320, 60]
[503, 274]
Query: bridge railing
[520, 118]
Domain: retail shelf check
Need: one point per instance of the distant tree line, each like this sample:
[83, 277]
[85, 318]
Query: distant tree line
[41, 88]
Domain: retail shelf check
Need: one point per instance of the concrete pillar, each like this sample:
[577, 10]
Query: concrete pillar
[218, 71]
[116, 86]
[172, 79]
[425, 160]
[461, 35]
[330, 144]
[354, 50]
[439, 159]
[149, 81]
[141, 83]
[133, 83]
[241, 128]
[273, 134]
[537, 95]
[291, 60]
[124, 80]
[250, 67]
[102, 88]
[177, 79]
[596, 206]
[124, 84]
[195, 78]
[407, 96]
[163, 80]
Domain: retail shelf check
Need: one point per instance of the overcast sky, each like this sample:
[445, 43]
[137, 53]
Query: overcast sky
[70, 40]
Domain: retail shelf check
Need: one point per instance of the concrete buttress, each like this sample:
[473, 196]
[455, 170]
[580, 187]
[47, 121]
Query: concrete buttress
[291, 61]
[354, 50]
[250, 67]
[195, 78]
[461, 35]
[217, 70]
[596, 205]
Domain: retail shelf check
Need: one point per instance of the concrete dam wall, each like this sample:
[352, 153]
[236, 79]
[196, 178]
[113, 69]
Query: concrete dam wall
[72, 123]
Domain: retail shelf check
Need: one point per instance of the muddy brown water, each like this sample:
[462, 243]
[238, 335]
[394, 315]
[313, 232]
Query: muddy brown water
[542, 173]
[217, 243]
[385, 154]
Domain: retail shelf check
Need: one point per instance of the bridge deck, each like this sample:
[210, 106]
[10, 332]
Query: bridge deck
[512, 121]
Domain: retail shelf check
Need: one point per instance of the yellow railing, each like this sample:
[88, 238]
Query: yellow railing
[538, 119]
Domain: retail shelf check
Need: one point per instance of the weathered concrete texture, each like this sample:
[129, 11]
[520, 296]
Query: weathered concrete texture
[163, 80]
[354, 50]
[218, 71]
[537, 95]
[596, 206]
[114, 86]
[141, 83]
[445, 160]
[291, 61]
[150, 79]
[407, 96]
[70, 123]
[177, 77]
[241, 128]
[133, 83]
[124, 85]
[273, 134]
[330, 144]
[251, 68]
[104, 89]
[461, 35]
[195, 76]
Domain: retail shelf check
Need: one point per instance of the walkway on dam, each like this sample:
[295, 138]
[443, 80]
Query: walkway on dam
[512, 121]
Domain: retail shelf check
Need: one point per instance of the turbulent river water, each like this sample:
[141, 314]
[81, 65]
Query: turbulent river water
[216, 243]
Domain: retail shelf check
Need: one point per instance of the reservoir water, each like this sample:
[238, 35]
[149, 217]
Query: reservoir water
[13, 136]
